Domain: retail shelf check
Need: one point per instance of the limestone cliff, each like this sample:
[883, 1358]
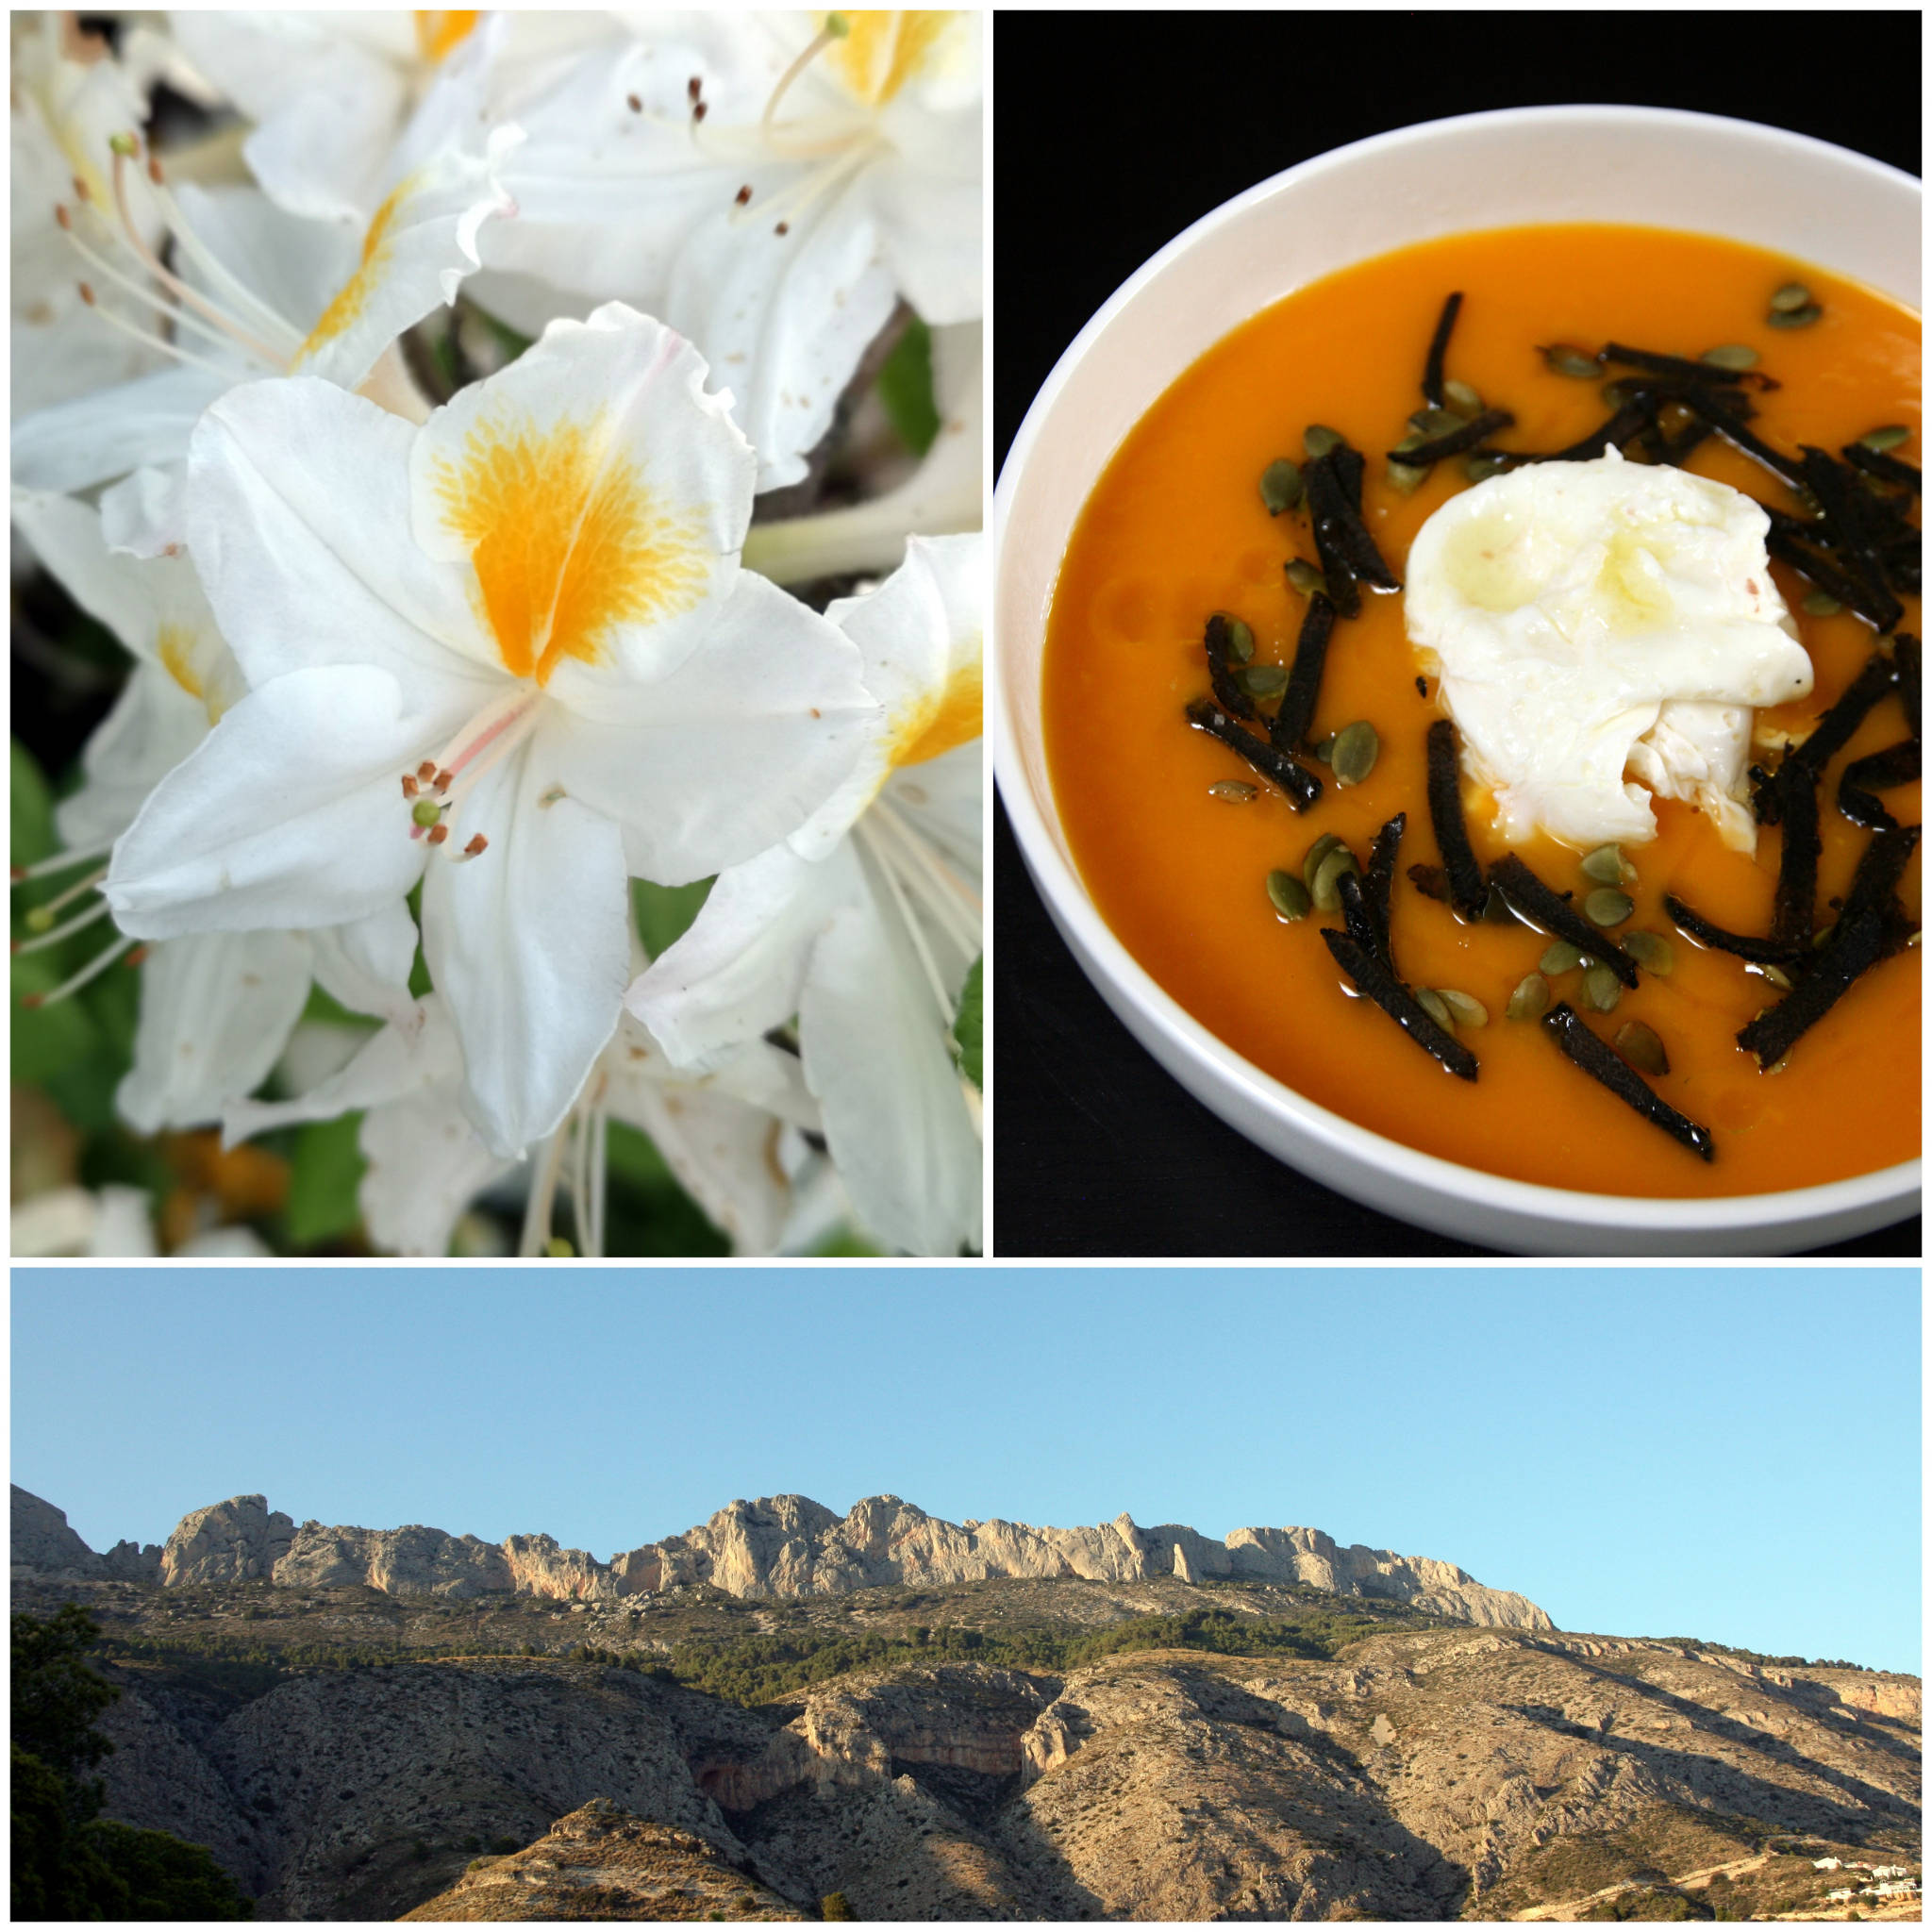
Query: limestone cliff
[777, 1547]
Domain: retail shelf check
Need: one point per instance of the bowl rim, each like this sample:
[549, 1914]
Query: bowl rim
[1105, 958]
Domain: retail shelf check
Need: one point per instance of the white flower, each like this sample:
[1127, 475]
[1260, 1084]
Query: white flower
[721, 1135]
[259, 292]
[516, 639]
[771, 184]
[216, 1007]
[865, 923]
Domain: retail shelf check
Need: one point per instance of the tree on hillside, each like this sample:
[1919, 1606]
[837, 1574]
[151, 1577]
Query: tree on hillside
[69, 1862]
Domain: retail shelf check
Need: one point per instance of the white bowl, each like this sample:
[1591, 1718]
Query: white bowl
[1664, 169]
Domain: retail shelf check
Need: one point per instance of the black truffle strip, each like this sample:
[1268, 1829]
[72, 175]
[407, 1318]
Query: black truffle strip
[1618, 431]
[1903, 567]
[1438, 347]
[1729, 424]
[1679, 366]
[1297, 711]
[1797, 865]
[1431, 881]
[1539, 906]
[1359, 917]
[1898, 764]
[1904, 665]
[1832, 581]
[1301, 786]
[1375, 982]
[1847, 515]
[1379, 880]
[1744, 945]
[1452, 442]
[1836, 727]
[1221, 673]
[1865, 935]
[1466, 891]
[1584, 1049]
[1340, 532]
[1349, 465]
[1323, 496]
[1887, 469]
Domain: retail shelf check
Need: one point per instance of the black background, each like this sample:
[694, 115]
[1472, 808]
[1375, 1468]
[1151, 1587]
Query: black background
[1113, 133]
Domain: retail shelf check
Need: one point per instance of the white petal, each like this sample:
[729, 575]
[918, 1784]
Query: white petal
[117, 591]
[123, 1225]
[427, 1164]
[365, 964]
[724, 1154]
[76, 444]
[943, 800]
[595, 497]
[145, 515]
[291, 814]
[298, 519]
[215, 1011]
[529, 945]
[727, 756]
[153, 727]
[927, 207]
[895, 1116]
[740, 970]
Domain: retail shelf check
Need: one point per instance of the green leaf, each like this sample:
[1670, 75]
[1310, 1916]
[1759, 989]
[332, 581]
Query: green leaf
[31, 805]
[969, 1023]
[324, 1177]
[664, 913]
[907, 391]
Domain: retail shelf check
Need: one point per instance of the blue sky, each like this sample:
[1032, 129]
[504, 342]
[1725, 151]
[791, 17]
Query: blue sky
[1731, 1454]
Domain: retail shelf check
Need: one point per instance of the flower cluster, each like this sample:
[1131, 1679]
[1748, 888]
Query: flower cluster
[532, 465]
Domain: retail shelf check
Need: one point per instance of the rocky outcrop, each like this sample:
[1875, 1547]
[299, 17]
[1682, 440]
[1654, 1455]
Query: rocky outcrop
[777, 1547]
[43, 1545]
[236, 1542]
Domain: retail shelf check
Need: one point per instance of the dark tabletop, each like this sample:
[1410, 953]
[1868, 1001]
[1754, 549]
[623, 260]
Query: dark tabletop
[1113, 133]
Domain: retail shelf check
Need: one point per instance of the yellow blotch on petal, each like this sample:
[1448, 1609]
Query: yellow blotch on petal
[438, 33]
[567, 542]
[956, 718]
[879, 52]
[177, 649]
[353, 296]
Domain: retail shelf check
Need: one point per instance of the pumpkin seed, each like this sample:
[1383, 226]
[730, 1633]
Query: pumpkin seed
[1821, 603]
[1357, 747]
[1793, 295]
[1640, 1045]
[1481, 465]
[1605, 865]
[1288, 895]
[1778, 976]
[1467, 1011]
[1463, 397]
[1794, 318]
[1320, 850]
[1602, 990]
[1241, 641]
[1821, 937]
[1236, 789]
[1325, 892]
[1306, 577]
[1566, 360]
[1730, 356]
[1407, 479]
[1262, 680]
[1651, 951]
[1619, 392]
[1531, 999]
[1889, 438]
[1559, 956]
[1318, 439]
[1432, 1003]
[1433, 421]
[1325, 750]
[1281, 486]
[1608, 906]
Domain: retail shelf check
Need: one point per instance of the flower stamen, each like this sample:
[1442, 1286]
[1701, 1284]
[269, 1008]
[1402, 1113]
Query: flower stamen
[93, 970]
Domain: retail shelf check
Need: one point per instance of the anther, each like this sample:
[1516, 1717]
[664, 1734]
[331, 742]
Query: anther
[476, 847]
[636, 106]
[139, 957]
[80, 190]
[436, 833]
[783, 228]
[408, 785]
[445, 779]
[699, 112]
[744, 194]
[87, 295]
[61, 215]
[154, 171]
[426, 770]
[695, 87]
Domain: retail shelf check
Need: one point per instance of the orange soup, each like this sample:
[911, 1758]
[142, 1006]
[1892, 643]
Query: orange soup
[1175, 531]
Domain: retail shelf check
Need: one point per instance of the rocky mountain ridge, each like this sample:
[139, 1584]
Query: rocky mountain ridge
[777, 1547]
